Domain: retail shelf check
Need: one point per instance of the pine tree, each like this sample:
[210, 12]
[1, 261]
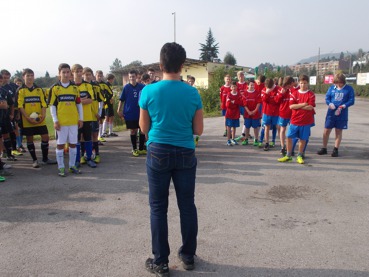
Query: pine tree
[209, 49]
[229, 59]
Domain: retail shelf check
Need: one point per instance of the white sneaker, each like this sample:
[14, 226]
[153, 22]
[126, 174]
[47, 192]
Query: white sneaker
[35, 164]
[6, 166]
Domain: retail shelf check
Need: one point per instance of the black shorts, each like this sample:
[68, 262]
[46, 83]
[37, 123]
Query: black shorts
[37, 130]
[86, 130]
[109, 111]
[102, 114]
[132, 124]
[95, 126]
[6, 126]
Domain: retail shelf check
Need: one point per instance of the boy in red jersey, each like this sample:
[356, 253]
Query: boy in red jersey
[241, 88]
[283, 98]
[233, 103]
[302, 104]
[252, 115]
[270, 110]
[224, 91]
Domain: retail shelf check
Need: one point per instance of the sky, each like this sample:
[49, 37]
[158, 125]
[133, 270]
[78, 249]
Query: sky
[41, 34]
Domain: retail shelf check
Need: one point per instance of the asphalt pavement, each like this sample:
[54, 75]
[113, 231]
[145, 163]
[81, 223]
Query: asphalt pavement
[257, 217]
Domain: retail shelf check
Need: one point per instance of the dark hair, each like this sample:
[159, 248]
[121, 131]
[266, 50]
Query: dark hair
[27, 71]
[261, 78]
[145, 77]
[86, 70]
[172, 57]
[234, 83]
[288, 80]
[269, 83]
[110, 77]
[304, 78]
[192, 78]
[251, 81]
[151, 69]
[132, 72]
[63, 66]
[5, 72]
[99, 72]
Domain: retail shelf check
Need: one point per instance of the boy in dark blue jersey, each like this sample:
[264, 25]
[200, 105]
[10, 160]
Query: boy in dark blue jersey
[131, 112]
[339, 98]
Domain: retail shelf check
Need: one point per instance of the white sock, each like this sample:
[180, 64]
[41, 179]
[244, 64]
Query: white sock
[100, 130]
[110, 128]
[243, 129]
[104, 127]
[60, 157]
[72, 156]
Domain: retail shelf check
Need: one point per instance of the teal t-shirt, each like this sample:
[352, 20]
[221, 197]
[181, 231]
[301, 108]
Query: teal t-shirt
[171, 106]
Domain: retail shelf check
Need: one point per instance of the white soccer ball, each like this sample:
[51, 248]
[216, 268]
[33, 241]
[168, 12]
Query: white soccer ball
[35, 116]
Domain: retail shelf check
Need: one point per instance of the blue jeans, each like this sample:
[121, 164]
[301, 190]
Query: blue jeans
[165, 163]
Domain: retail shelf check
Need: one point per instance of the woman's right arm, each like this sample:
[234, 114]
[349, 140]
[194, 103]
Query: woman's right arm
[145, 121]
[198, 123]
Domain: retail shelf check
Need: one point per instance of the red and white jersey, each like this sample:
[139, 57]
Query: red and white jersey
[224, 91]
[301, 117]
[241, 87]
[259, 88]
[283, 98]
[250, 100]
[270, 105]
[233, 103]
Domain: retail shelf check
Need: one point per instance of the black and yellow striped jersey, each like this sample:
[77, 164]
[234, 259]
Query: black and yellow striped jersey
[86, 91]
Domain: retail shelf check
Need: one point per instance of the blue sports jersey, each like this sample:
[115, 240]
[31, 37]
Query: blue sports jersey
[130, 95]
[344, 96]
[171, 106]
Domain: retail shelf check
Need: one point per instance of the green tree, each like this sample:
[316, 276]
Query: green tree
[47, 75]
[209, 49]
[18, 74]
[117, 65]
[229, 59]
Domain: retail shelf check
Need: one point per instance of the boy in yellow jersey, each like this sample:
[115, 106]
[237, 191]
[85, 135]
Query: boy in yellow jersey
[109, 110]
[89, 115]
[99, 76]
[67, 113]
[98, 102]
[32, 107]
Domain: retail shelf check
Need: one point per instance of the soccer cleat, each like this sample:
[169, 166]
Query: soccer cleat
[300, 159]
[83, 160]
[61, 172]
[256, 143]
[35, 164]
[48, 161]
[16, 153]
[113, 135]
[322, 151]
[142, 152]
[245, 142]
[272, 144]
[97, 159]
[135, 153]
[285, 159]
[104, 135]
[334, 153]
[102, 139]
[234, 142]
[260, 145]
[11, 158]
[74, 170]
[229, 143]
[239, 138]
[91, 163]
[161, 270]
[2, 179]
[283, 151]
[225, 133]
[266, 147]
[4, 165]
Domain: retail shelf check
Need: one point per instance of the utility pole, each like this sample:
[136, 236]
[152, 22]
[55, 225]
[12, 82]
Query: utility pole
[318, 71]
[174, 13]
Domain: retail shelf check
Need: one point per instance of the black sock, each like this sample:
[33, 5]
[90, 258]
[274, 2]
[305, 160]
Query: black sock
[31, 150]
[8, 147]
[13, 139]
[134, 141]
[142, 141]
[95, 146]
[45, 150]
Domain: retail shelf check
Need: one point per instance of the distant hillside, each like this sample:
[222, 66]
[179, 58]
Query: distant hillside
[322, 56]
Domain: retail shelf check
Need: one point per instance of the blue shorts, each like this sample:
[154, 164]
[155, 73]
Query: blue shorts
[301, 132]
[223, 112]
[283, 121]
[242, 110]
[232, 122]
[269, 120]
[331, 122]
[254, 123]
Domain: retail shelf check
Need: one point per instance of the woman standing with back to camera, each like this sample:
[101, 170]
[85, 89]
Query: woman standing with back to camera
[171, 113]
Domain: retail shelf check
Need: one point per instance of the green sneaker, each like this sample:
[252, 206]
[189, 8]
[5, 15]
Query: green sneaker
[74, 170]
[256, 143]
[285, 159]
[83, 160]
[245, 142]
[142, 152]
[238, 138]
[135, 153]
[272, 144]
[260, 145]
[61, 172]
[300, 160]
